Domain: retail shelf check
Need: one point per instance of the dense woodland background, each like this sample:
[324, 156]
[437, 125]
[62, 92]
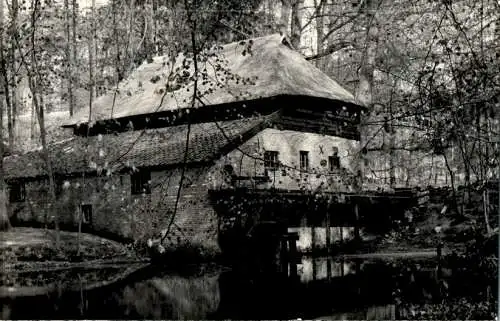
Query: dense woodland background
[427, 70]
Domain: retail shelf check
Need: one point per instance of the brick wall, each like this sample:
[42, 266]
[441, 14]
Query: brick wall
[115, 210]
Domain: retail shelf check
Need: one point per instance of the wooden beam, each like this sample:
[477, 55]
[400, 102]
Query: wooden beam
[327, 224]
[356, 224]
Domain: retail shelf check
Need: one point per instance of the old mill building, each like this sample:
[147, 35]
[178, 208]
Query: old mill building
[268, 134]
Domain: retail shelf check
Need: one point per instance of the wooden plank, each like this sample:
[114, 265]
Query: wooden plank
[319, 127]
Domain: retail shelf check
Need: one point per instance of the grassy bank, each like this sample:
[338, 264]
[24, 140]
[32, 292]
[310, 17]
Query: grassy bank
[26, 247]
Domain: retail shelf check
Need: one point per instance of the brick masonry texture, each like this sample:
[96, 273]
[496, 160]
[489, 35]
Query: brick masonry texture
[117, 211]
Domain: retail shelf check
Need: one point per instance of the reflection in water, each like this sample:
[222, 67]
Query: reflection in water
[338, 234]
[321, 288]
[384, 312]
[312, 269]
[152, 294]
[172, 297]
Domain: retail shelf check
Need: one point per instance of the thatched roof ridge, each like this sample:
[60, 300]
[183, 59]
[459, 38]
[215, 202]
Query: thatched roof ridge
[269, 69]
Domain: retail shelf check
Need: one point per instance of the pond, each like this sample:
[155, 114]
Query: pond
[325, 287]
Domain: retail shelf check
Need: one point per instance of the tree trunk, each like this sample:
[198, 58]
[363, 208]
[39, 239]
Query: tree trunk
[69, 58]
[74, 80]
[96, 52]
[392, 143]
[130, 34]
[154, 8]
[14, 64]
[117, 57]
[319, 32]
[149, 30]
[91, 66]
[115, 38]
[8, 105]
[39, 110]
[4, 217]
[365, 72]
[285, 17]
[296, 24]
[13, 102]
[467, 168]
[486, 206]
[32, 121]
[5, 87]
[409, 172]
[452, 182]
[364, 91]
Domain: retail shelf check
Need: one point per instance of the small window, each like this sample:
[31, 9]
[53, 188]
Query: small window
[271, 159]
[334, 162]
[140, 182]
[304, 160]
[86, 211]
[17, 192]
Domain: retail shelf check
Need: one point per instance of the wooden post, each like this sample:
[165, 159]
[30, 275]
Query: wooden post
[357, 266]
[314, 268]
[328, 232]
[328, 268]
[439, 251]
[292, 254]
[284, 254]
[356, 225]
[293, 270]
[292, 246]
[486, 205]
[313, 238]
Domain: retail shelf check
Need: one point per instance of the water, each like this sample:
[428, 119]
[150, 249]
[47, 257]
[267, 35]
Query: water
[326, 288]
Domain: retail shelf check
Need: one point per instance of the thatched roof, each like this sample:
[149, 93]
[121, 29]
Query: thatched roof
[270, 69]
[144, 148]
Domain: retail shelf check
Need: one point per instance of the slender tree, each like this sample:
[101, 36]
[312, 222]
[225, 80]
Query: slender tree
[35, 82]
[14, 65]
[69, 58]
[4, 218]
[6, 72]
[74, 45]
[91, 51]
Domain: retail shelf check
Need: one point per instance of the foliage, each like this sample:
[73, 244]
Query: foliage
[481, 256]
[460, 309]
[478, 268]
[181, 254]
